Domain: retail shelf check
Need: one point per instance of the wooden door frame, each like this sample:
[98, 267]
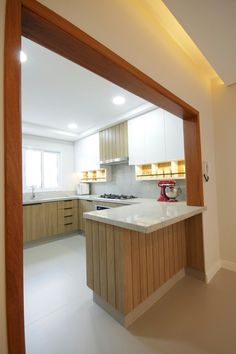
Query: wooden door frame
[38, 23]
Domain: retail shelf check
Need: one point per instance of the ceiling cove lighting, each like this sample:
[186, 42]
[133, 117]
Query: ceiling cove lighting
[118, 100]
[23, 57]
[72, 126]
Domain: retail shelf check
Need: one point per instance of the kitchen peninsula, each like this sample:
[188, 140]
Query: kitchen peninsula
[136, 253]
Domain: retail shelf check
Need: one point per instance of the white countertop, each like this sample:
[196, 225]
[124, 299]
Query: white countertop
[147, 216]
[140, 214]
[93, 197]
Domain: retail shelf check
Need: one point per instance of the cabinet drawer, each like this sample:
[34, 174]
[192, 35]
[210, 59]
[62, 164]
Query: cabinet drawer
[66, 212]
[67, 204]
[68, 219]
[69, 226]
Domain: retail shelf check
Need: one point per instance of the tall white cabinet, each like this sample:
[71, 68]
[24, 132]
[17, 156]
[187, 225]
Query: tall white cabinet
[174, 137]
[87, 153]
[155, 136]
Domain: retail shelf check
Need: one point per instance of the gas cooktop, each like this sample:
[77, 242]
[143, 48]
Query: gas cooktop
[117, 196]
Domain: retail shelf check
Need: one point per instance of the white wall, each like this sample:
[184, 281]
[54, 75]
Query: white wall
[224, 104]
[132, 32]
[66, 149]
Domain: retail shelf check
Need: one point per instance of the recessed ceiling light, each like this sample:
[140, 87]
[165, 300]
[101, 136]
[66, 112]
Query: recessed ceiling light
[118, 100]
[72, 126]
[23, 57]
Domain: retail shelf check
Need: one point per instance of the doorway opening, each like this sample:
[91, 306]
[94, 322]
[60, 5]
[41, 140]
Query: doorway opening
[44, 27]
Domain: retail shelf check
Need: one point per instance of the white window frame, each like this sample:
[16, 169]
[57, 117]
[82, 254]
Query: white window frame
[42, 151]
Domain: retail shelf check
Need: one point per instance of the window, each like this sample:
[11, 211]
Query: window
[40, 169]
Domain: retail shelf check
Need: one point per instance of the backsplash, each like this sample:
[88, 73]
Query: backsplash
[123, 182]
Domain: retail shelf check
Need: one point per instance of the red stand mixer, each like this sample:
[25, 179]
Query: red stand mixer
[168, 192]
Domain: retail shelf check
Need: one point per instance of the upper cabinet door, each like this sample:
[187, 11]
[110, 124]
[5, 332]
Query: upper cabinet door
[136, 140]
[174, 137]
[87, 153]
[114, 143]
[146, 138]
[154, 136]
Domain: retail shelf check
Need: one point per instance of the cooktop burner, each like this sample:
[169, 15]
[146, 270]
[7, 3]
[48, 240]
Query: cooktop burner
[117, 196]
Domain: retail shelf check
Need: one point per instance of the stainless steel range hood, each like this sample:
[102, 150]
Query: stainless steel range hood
[117, 161]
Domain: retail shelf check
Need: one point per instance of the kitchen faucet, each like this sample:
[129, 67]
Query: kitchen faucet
[33, 195]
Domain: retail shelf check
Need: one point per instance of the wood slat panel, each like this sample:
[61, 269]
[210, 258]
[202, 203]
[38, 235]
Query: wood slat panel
[156, 259]
[194, 243]
[166, 253]
[128, 281]
[89, 254]
[143, 266]
[111, 280]
[125, 267]
[160, 233]
[119, 268]
[96, 258]
[135, 268]
[150, 266]
[171, 250]
[103, 260]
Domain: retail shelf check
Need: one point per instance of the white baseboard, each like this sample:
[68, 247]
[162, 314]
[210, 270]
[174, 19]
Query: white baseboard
[210, 273]
[228, 265]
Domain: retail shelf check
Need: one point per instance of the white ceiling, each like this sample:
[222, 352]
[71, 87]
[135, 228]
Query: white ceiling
[56, 92]
[211, 25]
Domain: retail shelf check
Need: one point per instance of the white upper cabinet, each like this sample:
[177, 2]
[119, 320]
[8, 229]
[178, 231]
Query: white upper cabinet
[174, 137]
[87, 153]
[154, 137]
[136, 140]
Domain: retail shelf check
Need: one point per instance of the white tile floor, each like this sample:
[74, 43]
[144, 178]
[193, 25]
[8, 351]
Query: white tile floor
[61, 318]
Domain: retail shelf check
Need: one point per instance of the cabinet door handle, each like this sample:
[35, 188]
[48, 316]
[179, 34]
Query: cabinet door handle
[67, 216]
[67, 208]
[70, 223]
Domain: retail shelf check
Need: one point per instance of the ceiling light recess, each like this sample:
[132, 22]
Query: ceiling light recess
[118, 100]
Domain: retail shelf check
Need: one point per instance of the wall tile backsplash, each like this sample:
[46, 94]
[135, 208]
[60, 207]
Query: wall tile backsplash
[123, 182]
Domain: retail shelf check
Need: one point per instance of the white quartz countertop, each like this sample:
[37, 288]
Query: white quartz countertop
[39, 200]
[146, 216]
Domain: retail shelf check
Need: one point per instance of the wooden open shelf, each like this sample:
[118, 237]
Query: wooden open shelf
[95, 176]
[160, 170]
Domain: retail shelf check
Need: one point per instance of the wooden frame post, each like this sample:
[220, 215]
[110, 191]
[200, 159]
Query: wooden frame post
[38, 23]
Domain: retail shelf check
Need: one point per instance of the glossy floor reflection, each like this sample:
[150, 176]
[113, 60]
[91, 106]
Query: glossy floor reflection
[61, 318]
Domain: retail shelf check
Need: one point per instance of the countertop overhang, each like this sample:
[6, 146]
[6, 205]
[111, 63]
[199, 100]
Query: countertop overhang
[146, 216]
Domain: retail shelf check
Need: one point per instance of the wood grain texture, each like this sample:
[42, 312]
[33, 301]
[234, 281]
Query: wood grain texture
[111, 275]
[84, 206]
[193, 161]
[132, 265]
[13, 180]
[114, 142]
[128, 278]
[194, 243]
[89, 254]
[57, 34]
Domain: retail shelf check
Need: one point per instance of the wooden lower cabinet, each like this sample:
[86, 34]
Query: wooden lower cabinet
[40, 220]
[48, 219]
[84, 207]
[67, 216]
